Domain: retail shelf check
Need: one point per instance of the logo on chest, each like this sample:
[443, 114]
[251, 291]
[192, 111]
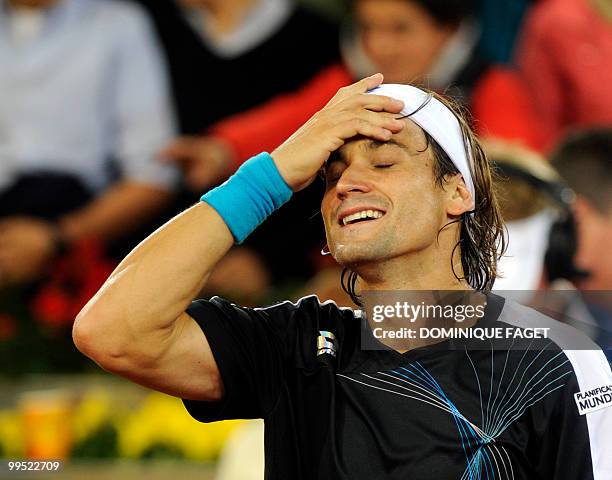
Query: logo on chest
[326, 343]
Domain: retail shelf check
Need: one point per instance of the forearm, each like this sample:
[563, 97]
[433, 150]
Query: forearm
[135, 314]
[136, 325]
[121, 209]
[153, 285]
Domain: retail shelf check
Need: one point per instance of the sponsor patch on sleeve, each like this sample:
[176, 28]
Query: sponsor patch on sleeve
[595, 399]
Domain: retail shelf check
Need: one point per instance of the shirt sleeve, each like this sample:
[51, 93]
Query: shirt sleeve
[252, 349]
[578, 440]
[143, 116]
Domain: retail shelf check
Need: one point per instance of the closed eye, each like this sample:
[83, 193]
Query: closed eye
[333, 175]
[383, 165]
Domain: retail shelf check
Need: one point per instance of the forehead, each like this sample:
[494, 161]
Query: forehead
[411, 139]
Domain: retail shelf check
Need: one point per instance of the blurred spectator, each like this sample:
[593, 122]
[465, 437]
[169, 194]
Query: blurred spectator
[529, 192]
[227, 56]
[565, 57]
[541, 265]
[426, 42]
[429, 42]
[584, 160]
[82, 90]
[435, 43]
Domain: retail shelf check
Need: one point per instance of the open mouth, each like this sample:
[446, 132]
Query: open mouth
[360, 217]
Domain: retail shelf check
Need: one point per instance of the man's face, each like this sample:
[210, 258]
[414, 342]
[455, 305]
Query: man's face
[400, 38]
[393, 181]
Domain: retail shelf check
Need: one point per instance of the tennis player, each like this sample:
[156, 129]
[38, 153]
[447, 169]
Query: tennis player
[408, 206]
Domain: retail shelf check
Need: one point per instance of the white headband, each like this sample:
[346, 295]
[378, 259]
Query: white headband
[435, 118]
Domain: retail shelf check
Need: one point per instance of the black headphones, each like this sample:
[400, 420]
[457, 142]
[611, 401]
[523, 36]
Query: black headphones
[559, 259]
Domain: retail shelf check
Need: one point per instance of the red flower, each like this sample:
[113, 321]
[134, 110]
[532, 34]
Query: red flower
[74, 279]
[52, 306]
[8, 326]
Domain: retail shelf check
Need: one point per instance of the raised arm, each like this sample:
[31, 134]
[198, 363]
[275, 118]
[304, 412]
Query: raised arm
[135, 325]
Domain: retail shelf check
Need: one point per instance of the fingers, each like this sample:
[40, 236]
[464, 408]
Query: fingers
[355, 96]
[369, 124]
[364, 84]
[180, 149]
[369, 130]
[367, 83]
[382, 119]
[375, 103]
[379, 103]
[198, 179]
[352, 112]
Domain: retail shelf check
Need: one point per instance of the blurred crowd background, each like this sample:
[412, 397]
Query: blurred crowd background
[117, 114]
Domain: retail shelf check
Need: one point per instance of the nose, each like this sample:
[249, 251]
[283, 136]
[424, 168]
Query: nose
[354, 179]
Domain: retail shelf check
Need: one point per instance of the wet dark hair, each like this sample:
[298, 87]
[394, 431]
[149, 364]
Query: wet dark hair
[446, 12]
[584, 160]
[482, 239]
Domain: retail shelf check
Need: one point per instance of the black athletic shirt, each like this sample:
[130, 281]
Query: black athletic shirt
[434, 413]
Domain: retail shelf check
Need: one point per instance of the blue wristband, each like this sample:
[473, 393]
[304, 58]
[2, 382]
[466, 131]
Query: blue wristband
[249, 196]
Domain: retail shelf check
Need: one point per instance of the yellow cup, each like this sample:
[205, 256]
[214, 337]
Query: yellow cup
[46, 417]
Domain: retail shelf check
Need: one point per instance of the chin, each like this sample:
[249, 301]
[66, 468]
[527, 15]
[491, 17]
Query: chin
[356, 254]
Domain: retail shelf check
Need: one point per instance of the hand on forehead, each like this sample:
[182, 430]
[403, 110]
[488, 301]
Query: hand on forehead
[411, 139]
[438, 120]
